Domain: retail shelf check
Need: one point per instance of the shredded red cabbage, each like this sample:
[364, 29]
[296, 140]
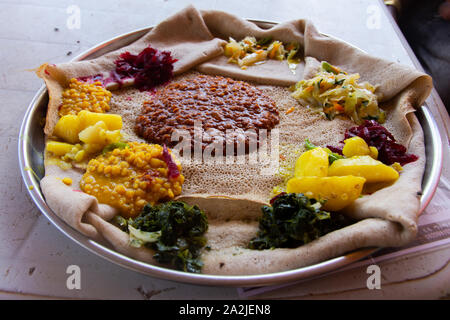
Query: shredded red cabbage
[379, 137]
[172, 167]
[149, 68]
[337, 150]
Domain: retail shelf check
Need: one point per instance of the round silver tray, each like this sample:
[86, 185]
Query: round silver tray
[31, 149]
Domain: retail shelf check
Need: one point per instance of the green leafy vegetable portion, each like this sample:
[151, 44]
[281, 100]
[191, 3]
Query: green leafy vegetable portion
[294, 220]
[139, 237]
[175, 230]
[309, 145]
[120, 222]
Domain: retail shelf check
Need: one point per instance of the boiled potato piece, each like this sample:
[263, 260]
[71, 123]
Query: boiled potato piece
[99, 134]
[373, 152]
[59, 148]
[338, 192]
[312, 163]
[93, 147]
[357, 146]
[94, 134]
[87, 119]
[363, 166]
[77, 154]
[67, 128]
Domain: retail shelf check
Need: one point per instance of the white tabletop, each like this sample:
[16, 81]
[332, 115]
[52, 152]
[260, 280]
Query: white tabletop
[34, 255]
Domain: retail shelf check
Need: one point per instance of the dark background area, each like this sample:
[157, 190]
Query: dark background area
[426, 27]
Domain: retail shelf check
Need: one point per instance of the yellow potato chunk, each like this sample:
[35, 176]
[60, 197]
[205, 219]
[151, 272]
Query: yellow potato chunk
[87, 118]
[59, 148]
[76, 153]
[373, 152]
[397, 166]
[338, 192]
[355, 146]
[92, 148]
[88, 128]
[312, 163]
[99, 134]
[363, 166]
[67, 128]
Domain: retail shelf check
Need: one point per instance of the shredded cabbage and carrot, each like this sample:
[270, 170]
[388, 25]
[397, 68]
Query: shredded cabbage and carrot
[339, 93]
[250, 51]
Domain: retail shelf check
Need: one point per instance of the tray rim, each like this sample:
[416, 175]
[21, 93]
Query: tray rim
[32, 184]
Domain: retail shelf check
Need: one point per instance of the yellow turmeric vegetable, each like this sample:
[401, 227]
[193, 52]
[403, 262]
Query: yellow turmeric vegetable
[397, 166]
[87, 133]
[59, 148]
[312, 163]
[99, 134]
[374, 152]
[67, 128]
[338, 192]
[363, 166]
[87, 118]
[355, 146]
[76, 153]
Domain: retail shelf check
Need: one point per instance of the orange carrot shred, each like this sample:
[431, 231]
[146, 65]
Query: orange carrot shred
[290, 110]
[338, 107]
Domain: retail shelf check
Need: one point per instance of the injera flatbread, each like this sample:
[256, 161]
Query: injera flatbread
[196, 38]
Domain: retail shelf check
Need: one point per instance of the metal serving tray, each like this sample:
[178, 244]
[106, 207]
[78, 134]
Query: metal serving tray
[31, 149]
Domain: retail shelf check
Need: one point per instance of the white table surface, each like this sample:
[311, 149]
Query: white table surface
[34, 255]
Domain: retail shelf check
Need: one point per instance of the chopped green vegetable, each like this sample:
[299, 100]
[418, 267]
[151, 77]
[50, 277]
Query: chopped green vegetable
[115, 145]
[294, 220]
[309, 145]
[338, 93]
[329, 68]
[181, 229]
[120, 222]
[332, 156]
[139, 237]
[264, 41]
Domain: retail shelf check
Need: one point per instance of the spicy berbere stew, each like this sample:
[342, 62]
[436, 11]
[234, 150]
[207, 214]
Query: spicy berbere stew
[223, 107]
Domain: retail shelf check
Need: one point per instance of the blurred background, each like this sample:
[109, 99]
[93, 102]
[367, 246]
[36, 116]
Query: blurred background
[426, 27]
